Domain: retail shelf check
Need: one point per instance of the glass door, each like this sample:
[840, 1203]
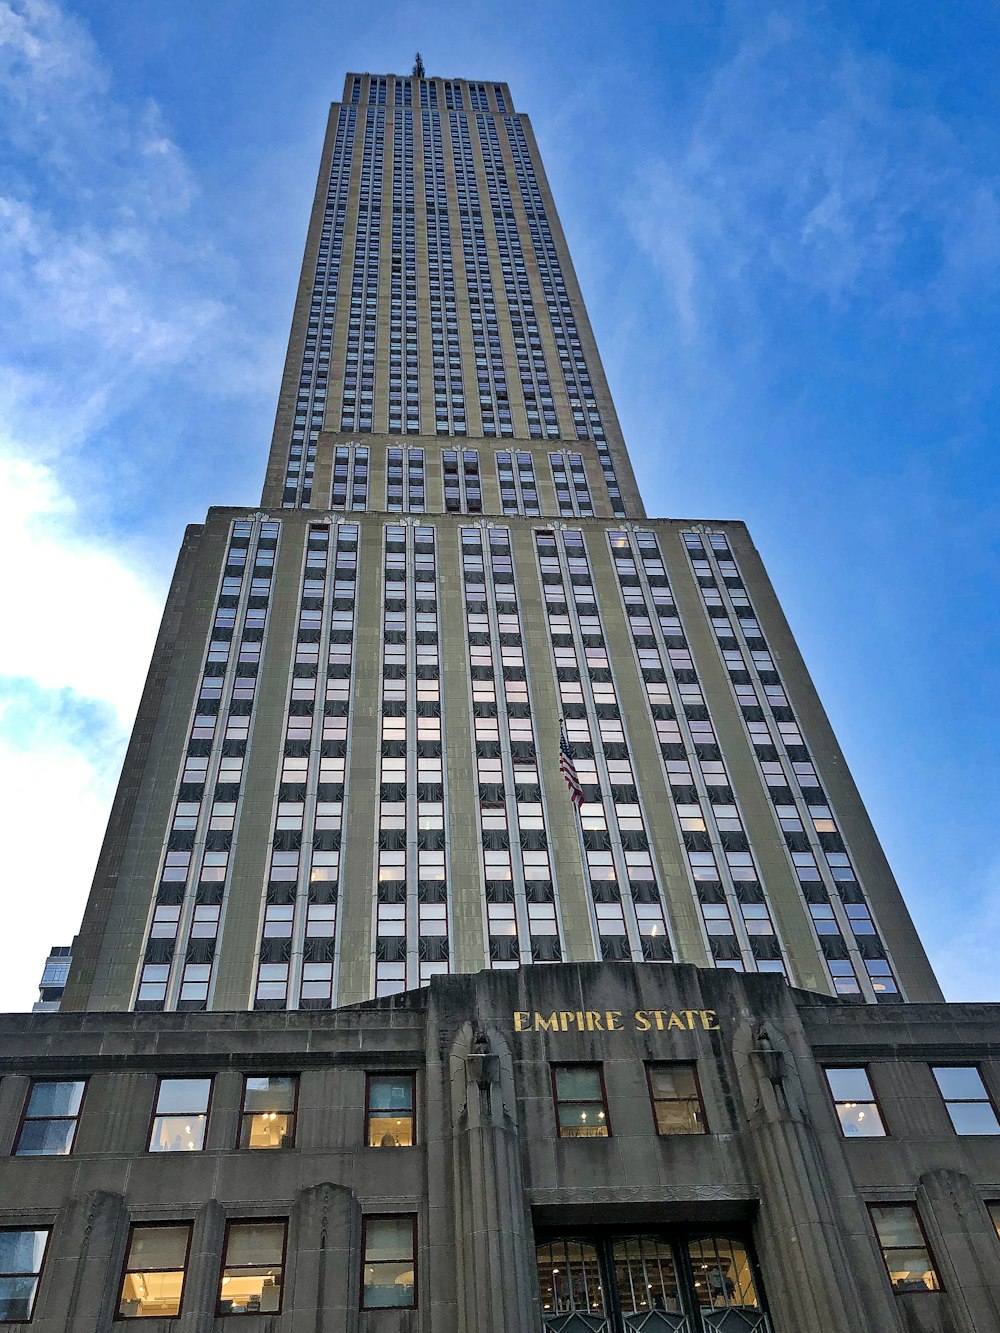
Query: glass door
[662, 1282]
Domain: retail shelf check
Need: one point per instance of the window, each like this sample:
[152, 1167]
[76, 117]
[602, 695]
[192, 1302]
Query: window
[676, 1098]
[153, 1282]
[581, 1105]
[904, 1247]
[994, 1211]
[180, 1115]
[268, 1119]
[252, 1267]
[51, 1115]
[855, 1104]
[22, 1254]
[389, 1272]
[966, 1098]
[391, 1119]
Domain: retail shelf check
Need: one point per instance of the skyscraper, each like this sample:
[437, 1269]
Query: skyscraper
[344, 778]
[488, 936]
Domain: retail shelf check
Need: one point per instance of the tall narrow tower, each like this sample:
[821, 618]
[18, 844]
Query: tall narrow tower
[345, 773]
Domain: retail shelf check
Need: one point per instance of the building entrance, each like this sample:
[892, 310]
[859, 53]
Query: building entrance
[657, 1282]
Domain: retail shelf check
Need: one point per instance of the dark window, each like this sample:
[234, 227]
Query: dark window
[153, 1281]
[268, 1119]
[994, 1211]
[253, 1265]
[51, 1116]
[22, 1254]
[391, 1118]
[966, 1098]
[855, 1104]
[389, 1270]
[676, 1098]
[580, 1102]
[180, 1115]
[904, 1247]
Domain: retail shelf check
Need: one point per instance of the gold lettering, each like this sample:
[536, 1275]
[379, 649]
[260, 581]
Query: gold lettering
[689, 1015]
[522, 1020]
[579, 1020]
[658, 1015]
[613, 1018]
[710, 1020]
[675, 1021]
[550, 1024]
[594, 1023]
[566, 1017]
[642, 1023]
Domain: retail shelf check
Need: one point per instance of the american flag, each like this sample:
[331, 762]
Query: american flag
[568, 769]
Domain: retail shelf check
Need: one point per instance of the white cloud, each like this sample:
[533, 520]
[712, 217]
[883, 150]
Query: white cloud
[70, 678]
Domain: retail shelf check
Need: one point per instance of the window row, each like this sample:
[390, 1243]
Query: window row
[179, 1120]
[967, 1100]
[251, 1275]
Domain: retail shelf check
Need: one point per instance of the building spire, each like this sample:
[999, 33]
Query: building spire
[418, 67]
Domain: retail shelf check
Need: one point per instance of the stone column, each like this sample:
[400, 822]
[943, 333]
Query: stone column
[963, 1245]
[493, 1233]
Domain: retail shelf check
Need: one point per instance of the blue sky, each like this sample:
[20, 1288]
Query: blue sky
[786, 222]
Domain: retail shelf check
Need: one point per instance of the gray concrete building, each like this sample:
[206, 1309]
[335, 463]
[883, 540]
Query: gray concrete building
[488, 934]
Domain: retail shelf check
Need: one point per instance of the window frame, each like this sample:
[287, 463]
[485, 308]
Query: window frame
[46, 1227]
[965, 1101]
[177, 1078]
[835, 1102]
[649, 1066]
[911, 1205]
[120, 1318]
[580, 1064]
[391, 1217]
[412, 1076]
[294, 1113]
[24, 1116]
[250, 1221]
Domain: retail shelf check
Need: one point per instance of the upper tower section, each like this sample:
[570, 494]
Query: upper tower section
[438, 302]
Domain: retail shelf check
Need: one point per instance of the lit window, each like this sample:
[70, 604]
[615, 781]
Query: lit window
[676, 1098]
[967, 1100]
[994, 1211]
[180, 1115]
[268, 1119]
[855, 1104]
[581, 1106]
[390, 1270]
[51, 1116]
[22, 1254]
[252, 1268]
[904, 1248]
[153, 1283]
[391, 1116]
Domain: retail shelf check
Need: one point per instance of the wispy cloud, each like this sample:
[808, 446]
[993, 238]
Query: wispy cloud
[103, 284]
[810, 163]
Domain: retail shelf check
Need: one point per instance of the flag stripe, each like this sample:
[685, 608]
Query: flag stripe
[568, 769]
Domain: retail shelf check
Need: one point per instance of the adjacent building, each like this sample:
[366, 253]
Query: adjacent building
[488, 933]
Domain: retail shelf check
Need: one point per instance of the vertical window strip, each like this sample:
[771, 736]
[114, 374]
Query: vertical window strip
[310, 404]
[587, 420]
[358, 393]
[628, 909]
[178, 960]
[404, 376]
[446, 355]
[521, 906]
[855, 955]
[536, 388]
[461, 481]
[491, 374]
[516, 480]
[736, 915]
[350, 477]
[297, 951]
[412, 903]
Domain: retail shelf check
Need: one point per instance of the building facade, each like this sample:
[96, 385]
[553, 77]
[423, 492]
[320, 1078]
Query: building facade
[370, 1025]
